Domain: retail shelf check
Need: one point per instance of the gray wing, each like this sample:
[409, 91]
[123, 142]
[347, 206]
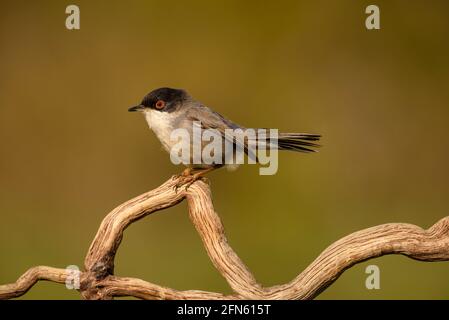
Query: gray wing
[210, 119]
[213, 120]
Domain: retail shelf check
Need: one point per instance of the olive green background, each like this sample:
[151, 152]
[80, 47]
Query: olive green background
[70, 151]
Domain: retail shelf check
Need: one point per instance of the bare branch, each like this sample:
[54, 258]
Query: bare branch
[101, 254]
[116, 287]
[29, 279]
[98, 281]
[393, 238]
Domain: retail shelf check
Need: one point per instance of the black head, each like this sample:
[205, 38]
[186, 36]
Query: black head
[162, 99]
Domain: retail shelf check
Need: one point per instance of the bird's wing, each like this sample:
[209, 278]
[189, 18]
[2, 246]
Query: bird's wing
[210, 119]
[213, 120]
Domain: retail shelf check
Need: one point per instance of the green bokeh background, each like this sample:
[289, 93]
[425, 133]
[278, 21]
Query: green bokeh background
[70, 152]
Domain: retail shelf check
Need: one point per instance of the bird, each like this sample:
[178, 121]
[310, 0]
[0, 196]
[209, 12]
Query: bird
[167, 109]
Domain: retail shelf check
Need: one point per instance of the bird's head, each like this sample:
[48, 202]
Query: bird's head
[162, 99]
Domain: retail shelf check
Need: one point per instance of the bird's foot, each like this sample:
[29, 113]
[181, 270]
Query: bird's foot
[185, 173]
[187, 178]
[186, 181]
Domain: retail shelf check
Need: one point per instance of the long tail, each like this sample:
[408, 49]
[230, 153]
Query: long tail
[299, 142]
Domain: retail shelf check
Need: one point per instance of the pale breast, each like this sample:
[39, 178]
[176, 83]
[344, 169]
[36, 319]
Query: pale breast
[162, 124]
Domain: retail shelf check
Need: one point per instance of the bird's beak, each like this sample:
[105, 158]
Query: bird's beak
[136, 108]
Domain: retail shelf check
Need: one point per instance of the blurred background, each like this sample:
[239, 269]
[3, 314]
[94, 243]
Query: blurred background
[70, 151]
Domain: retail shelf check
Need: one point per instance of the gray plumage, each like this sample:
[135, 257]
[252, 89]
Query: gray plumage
[166, 109]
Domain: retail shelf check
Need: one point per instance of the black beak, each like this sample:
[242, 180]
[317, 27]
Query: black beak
[136, 108]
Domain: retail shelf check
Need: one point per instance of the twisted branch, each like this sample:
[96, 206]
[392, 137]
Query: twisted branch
[97, 281]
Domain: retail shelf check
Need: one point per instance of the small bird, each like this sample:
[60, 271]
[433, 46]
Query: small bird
[167, 109]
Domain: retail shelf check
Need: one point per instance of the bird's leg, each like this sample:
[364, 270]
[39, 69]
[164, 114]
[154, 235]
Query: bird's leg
[187, 172]
[201, 172]
[190, 175]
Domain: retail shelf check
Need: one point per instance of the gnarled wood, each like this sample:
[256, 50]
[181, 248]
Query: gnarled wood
[98, 282]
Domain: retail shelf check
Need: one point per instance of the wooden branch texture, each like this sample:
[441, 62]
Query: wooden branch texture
[97, 281]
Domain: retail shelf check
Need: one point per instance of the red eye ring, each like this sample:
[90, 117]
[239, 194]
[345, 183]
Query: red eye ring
[160, 104]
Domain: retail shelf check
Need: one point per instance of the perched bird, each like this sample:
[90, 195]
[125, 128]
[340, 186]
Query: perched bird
[167, 109]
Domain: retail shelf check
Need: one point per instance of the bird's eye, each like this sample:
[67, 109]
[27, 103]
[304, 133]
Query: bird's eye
[160, 104]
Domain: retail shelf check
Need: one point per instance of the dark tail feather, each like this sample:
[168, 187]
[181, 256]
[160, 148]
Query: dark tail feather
[299, 142]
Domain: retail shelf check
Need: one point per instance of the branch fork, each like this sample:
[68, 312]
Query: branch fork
[98, 281]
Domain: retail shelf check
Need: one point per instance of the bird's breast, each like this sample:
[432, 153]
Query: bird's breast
[162, 124]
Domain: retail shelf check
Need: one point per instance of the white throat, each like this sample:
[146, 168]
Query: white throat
[162, 124]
